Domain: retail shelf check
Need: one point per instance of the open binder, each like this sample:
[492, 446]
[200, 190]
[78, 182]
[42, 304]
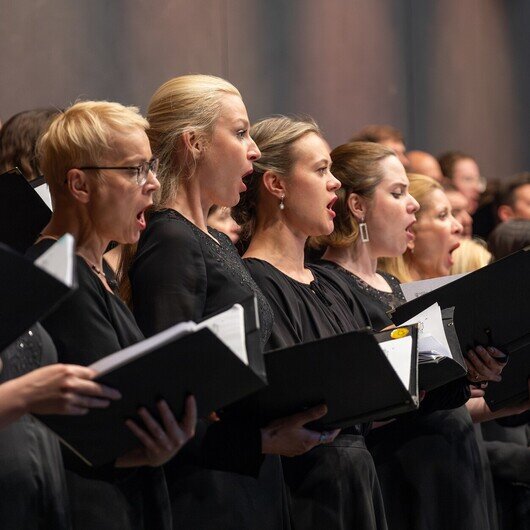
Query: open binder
[209, 360]
[359, 375]
[492, 307]
[24, 213]
[437, 371]
[30, 290]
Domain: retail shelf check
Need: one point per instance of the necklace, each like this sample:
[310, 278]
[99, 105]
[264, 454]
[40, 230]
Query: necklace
[113, 284]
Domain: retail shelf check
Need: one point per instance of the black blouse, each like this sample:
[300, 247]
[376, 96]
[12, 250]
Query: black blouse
[377, 303]
[180, 273]
[220, 479]
[87, 326]
[305, 312]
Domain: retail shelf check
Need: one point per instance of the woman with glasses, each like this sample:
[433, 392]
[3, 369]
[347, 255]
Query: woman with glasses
[98, 163]
[229, 477]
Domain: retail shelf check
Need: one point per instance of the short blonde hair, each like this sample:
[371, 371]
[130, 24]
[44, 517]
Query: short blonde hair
[182, 104]
[274, 137]
[82, 135]
[421, 188]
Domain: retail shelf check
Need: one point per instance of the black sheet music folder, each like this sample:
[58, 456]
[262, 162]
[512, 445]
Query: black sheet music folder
[348, 372]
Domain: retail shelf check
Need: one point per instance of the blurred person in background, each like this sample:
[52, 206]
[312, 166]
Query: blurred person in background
[18, 138]
[424, 163]
[385, 135]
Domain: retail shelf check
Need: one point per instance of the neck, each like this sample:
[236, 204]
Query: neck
[280, 246]
[89, 244]
[190, 203]
[356, 258]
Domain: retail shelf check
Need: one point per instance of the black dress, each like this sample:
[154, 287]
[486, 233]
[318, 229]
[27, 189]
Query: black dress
[219, 480]
[89, 325]
[32, 484]
[333, 485]
[428, 462]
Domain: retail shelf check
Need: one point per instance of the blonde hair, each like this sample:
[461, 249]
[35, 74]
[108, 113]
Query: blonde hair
[421, 188]
[358, 167]
[189, 103]
[274, 137]
[82, 135]
[470, 256]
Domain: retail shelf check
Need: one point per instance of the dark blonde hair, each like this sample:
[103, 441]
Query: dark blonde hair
[274, 137]
[358, 167]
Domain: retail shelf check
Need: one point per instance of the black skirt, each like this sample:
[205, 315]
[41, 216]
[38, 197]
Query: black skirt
[431, 473]
[335, 486]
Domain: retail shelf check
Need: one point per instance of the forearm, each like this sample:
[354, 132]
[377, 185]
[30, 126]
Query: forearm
[479, 410]
[13, 402]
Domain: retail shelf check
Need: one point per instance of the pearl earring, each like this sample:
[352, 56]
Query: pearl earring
[282, 205]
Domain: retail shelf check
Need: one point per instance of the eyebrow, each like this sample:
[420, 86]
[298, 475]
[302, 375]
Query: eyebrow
[242, 121]
[322, 161]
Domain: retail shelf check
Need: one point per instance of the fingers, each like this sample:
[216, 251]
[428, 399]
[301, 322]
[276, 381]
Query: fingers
[157, 434]
[483, 366]
[91, 388]
[189, 420]
[312, 414]
[173, 431]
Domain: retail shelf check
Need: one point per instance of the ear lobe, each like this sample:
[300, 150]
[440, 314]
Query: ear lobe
[274, 184]
[356, 206]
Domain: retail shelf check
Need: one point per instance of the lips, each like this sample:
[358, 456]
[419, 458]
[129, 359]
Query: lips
[329, 207]
[243, 186]
[140, 218]
[409, 231]
[451, 250]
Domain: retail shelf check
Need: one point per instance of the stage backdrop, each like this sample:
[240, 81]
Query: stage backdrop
[450, 74]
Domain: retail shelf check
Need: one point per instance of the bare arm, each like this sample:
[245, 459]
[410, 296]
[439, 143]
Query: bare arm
[53, 389]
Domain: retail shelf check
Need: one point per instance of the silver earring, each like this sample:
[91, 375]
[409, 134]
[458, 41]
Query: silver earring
[282, 205]
[363, 229]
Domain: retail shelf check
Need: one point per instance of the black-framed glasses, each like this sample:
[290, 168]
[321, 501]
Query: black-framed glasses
[140, 172]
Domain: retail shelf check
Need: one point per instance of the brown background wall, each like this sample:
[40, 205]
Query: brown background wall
[449, 73]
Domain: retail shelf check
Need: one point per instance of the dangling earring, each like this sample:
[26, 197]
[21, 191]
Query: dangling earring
[282, 205]
[363, 229]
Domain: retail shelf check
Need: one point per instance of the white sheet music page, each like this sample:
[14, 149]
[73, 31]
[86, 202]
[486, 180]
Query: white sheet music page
[44, 193]
[229, 326]
[416, 289]
[58, 260]
[398, 352]
[432, 341]
[122, 357]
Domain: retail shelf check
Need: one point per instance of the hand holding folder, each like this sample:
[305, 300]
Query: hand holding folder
[209, 360]
[492, 305]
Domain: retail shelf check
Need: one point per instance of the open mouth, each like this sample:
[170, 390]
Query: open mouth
[409, 231]
[329, 206]
[140, 217]
[451, 250]
[244, 180]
